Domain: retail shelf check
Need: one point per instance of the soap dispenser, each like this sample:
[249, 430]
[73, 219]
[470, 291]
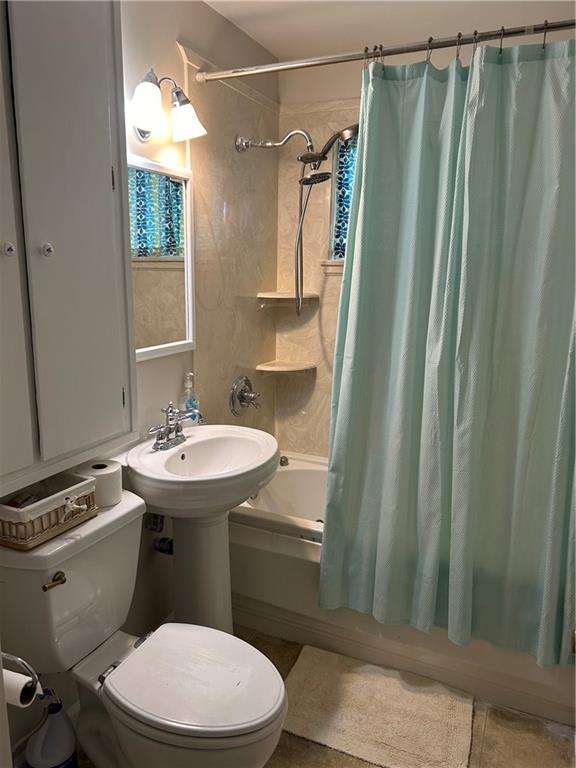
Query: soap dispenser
[188, 401]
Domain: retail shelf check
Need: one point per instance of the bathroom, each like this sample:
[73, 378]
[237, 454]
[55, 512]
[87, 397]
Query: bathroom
[372, 636]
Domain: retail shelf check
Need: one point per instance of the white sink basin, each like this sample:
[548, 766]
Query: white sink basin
[217, 468]
[197, 483]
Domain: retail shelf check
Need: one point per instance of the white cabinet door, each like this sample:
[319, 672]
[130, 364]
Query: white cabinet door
[17, 415]
[66, 83]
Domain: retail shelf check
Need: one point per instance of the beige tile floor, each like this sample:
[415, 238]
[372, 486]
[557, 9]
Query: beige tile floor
[501, 738]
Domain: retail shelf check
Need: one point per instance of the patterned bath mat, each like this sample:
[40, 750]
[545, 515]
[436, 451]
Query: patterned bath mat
[391, 719]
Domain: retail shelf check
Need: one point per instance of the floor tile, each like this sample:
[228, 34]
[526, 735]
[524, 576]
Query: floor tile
[515, 740]
[282, 653]
[478, 728]
[244, 633]
[83, 761]
[293, 751]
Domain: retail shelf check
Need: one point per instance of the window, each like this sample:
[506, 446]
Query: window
[343, 178]
[156, 215]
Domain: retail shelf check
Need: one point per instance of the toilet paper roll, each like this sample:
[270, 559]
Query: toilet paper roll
[19, 689]
[108, 476]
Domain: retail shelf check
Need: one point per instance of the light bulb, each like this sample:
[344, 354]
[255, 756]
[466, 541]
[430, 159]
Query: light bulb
[185, 121]
[146, 106]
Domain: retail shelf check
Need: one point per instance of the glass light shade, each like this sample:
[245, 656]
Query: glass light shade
[146, 106]
[185, 123]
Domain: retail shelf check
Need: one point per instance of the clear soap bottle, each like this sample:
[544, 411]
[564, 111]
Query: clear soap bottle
[188, 401]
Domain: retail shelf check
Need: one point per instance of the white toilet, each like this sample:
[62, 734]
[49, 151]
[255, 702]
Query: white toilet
[183, 697]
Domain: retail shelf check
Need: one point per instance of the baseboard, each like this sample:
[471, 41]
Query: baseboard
[306, 630]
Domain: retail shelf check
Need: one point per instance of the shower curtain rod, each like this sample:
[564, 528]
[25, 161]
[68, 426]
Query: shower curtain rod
[393, 50]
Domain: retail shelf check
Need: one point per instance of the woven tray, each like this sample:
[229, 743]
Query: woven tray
[51, 515]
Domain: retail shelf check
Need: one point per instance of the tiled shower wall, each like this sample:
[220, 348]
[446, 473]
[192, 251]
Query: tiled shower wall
[235, 209]
[302, 406]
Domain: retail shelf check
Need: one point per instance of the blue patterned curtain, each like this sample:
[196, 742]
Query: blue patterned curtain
[451, 470]
[156, 204]
[345, 168]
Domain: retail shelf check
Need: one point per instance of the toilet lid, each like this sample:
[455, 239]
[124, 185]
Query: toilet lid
[197, 681]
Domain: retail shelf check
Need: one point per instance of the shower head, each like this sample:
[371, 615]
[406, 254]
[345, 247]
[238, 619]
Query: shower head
[308, 158]
[348, 133]
[345, 134]
[315, 177]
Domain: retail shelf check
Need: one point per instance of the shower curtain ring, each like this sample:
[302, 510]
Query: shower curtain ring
[366, 49]
[501, 38]
[381, 53]
[458, 44]
[375, 54]
[545, 31]
[474, 41]
[429, 50]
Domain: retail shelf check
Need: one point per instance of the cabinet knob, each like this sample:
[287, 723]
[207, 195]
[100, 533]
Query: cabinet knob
[47, 249]
[9, 249]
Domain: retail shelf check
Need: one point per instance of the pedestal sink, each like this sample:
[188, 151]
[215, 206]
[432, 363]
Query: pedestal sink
[197, 483]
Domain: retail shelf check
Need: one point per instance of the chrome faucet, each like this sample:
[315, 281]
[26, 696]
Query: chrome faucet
[171, 432]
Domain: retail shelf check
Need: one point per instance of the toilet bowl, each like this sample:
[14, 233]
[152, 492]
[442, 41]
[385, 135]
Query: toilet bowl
[184, 696]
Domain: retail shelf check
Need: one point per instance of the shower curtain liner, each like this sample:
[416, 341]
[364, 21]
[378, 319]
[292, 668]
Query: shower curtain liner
[451, 488]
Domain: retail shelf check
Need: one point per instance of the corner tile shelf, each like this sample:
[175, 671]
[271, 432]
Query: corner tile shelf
[285, 366]
[281, 298]
[333, 267]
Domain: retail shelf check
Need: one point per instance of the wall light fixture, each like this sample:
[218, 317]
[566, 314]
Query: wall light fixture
[146, 110]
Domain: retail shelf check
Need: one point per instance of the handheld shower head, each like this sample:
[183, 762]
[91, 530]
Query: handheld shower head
[312, 158]
[344, 135]
[315, 177]
[308, 158]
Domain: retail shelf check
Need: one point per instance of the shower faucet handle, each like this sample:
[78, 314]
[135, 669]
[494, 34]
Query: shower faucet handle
[242, 396]
[250, 398]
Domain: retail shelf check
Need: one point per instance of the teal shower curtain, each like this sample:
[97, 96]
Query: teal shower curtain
[451, 471]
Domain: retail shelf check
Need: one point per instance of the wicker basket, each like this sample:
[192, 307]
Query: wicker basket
[44, 510]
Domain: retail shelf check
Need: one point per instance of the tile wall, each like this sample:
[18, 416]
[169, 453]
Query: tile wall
[303, 400]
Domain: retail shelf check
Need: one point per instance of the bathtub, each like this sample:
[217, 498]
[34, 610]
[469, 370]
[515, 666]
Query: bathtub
[275, 547]
[293, 503]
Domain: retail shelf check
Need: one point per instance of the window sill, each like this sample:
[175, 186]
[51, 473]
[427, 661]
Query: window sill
[333, 266]
[150, 263]
[163, 350]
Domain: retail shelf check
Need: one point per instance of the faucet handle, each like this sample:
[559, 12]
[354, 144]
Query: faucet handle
[171, 414]
[157, 428]
[189, 414]
[251, 398]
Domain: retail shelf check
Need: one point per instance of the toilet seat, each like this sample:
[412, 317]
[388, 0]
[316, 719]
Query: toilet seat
[190, 743]
[197, 683]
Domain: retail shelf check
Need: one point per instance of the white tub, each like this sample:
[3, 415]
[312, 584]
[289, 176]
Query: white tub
[293, 503]
[275, 546]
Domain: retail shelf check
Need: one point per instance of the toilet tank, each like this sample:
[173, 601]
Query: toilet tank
[56, 628]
